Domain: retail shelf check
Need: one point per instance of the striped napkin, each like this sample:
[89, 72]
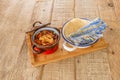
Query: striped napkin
[89, 33]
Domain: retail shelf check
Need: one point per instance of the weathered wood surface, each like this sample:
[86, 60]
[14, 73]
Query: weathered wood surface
[93, 66]
[62, 70]
[17, 16]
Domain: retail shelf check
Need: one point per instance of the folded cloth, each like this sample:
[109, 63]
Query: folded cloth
[88, 33]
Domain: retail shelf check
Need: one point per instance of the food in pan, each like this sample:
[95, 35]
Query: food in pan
[46, 38]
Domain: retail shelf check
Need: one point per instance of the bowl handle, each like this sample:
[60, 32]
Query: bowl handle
[68, 48]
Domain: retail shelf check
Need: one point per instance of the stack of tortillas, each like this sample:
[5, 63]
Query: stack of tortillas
[73, 25]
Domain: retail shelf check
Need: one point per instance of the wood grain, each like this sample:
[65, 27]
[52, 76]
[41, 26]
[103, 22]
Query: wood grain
[116, 7]
[93, 66]
[42, 12]
[86, 9]
[88, 66]
[16, 63]
[106, 10]
[111, 35]
[17, 16]
[63, 10]
[15, 20]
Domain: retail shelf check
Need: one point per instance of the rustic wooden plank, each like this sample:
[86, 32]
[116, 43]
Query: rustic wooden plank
[112, 33]
[93, 66]
[12, 30]
[14, 21]
[62, 11]
[116, 5]
[14, 63]
[40, 13]
[20, 10]
[64, 70]
[86, 9]
[111, 36]
[22, 70]
[106, 9]
[4, 6]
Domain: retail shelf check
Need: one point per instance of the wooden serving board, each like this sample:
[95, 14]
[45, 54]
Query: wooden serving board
[40, 59]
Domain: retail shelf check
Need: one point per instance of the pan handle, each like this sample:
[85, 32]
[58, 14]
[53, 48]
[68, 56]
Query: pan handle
[36, 23]
[36, 50]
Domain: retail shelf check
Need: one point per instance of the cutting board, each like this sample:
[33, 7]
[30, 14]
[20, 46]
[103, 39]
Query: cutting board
[60, 54]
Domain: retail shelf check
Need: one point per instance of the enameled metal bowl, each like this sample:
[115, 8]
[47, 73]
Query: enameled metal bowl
[70, 42]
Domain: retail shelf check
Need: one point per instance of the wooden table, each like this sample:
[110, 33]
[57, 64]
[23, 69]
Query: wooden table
[17, 16]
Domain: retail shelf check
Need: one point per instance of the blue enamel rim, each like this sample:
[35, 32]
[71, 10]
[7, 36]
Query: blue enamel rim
[86, 45]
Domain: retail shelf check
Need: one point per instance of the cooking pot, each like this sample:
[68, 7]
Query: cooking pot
[37, 48]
